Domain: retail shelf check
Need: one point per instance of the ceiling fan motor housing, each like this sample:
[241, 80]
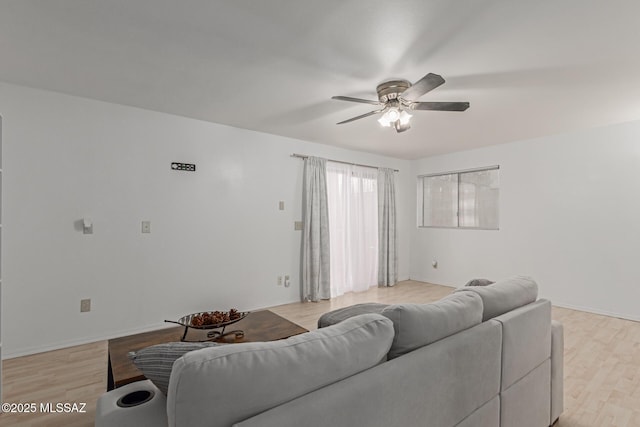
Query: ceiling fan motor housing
[391, 89]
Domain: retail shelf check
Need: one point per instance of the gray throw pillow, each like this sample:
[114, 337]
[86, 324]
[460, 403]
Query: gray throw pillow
[479, 282]
[504, 295]
[156, 361]
[340, 314]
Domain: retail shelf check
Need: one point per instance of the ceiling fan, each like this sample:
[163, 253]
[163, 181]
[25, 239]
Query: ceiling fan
[396, 97]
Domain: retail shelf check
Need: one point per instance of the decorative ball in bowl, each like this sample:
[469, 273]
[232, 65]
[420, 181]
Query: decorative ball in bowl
[213, 319]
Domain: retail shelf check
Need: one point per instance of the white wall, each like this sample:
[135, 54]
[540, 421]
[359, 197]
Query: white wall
[218, 239]
[569, 217]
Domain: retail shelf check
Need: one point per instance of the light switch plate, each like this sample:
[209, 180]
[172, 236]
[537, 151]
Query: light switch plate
[146, 226]
[298, 225]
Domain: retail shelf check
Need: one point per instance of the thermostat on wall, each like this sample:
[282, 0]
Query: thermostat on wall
[183, 167]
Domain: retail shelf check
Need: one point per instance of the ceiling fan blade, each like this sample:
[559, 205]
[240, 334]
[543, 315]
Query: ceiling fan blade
[362, 116]
[422, 86]
[350, 99]
[440, 106]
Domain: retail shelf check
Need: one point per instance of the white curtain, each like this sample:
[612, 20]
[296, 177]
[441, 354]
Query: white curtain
[315, 235]
[353, 224]
[387, 239]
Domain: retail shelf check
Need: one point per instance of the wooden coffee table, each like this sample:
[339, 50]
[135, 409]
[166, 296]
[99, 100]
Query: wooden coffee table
[261, 325]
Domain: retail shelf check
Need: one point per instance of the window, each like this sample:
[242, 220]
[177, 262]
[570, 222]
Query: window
[467, 199]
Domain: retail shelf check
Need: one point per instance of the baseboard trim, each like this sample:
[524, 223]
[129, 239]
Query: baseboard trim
[96, 338]
[564, 305]
[596, 311]
[86, 340]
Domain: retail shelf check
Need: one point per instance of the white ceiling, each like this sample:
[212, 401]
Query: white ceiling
[528, 68]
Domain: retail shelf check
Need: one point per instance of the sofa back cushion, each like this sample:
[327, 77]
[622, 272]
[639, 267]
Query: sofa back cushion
[438, 385]
[417, 325]
[504, 295]
[223, 385]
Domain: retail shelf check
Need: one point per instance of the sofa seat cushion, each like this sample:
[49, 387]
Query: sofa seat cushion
[417, 325]
[223, 385]
[504, 295]
[340, 314]
[156, 361]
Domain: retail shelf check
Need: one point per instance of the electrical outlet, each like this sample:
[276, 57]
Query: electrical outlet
[146, 226]
[87, 226]
[287, 281]
[279, 280]
[85, 305]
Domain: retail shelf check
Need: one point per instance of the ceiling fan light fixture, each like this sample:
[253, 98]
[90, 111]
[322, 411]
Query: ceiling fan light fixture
[401, 127]
[404, 117]
[396, 117]
[387, 118]
[392, 115]
[384, 121]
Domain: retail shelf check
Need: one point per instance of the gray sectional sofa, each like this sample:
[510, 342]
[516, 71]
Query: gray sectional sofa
[483, 356]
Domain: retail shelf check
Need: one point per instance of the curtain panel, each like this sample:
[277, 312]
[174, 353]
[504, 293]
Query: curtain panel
[387, 238]
[353, 225]
[315, 281]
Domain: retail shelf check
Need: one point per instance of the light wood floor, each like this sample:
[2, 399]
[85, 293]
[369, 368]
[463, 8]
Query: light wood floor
[602, 365]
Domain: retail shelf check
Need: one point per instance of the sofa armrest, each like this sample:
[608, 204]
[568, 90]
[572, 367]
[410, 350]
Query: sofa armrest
[557, 370]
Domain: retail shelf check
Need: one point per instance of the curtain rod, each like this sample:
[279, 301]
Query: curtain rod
[302, 156]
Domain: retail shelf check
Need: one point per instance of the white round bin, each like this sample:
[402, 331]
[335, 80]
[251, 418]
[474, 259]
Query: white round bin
[138, 404]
